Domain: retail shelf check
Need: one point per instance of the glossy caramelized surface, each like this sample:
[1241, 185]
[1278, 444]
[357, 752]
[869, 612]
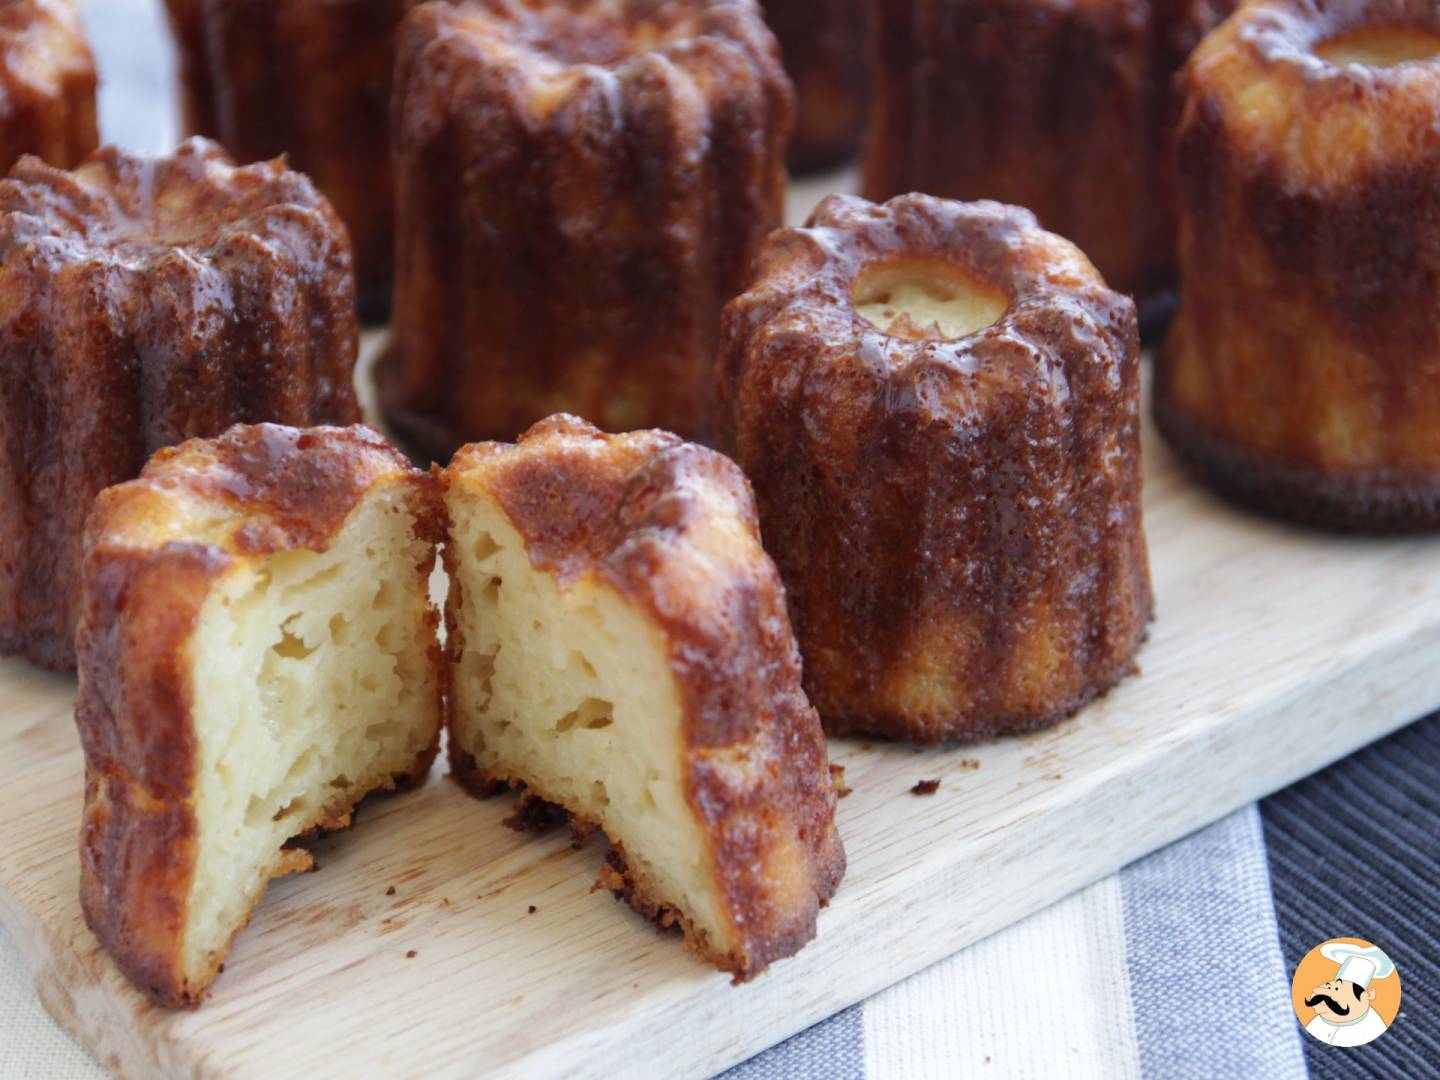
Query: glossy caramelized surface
[569, 227]
[309, 79]
[143, 302]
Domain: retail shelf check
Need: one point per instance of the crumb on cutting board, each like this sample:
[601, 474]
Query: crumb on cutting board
[837, 778]
[969, 763]
[390, 891]
[411, 955]
[925, 787]
[533, 909]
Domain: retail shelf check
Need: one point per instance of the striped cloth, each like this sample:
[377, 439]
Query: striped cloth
[1174, 967]
[1135, 976]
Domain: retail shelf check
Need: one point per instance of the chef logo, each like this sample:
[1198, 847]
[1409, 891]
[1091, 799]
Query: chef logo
[1346, 992]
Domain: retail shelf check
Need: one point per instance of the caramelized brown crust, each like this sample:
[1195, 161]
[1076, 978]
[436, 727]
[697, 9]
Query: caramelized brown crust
[47, 83]
[263, 490]
[642, 511]
[580, 189]
[309, 79]
[957, 521]
[823, 45]
[143, 302]
[1065, 109]
[1302, 374]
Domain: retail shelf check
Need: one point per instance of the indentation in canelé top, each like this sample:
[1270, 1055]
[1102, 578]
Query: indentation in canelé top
[604, 33]
[1380, 46]
[926, 299]
[136, 205]
[1328, 96]
[918, 279]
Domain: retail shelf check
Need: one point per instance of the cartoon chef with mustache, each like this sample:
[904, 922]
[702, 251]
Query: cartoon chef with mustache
[1343, 1016]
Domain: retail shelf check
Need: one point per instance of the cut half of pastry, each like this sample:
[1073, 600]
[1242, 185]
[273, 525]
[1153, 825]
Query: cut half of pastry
[620, 648]
[257, 653]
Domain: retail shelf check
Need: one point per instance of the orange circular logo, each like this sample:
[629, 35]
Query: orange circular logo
[1346, 992]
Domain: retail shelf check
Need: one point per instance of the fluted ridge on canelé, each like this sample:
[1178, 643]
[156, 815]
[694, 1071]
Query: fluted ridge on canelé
[144, 302]
[823, 43]
[47, 83]
[574, 210]
[957, 520]
[309, 79]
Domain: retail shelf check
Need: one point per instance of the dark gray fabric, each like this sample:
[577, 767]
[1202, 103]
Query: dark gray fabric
[1355, 852]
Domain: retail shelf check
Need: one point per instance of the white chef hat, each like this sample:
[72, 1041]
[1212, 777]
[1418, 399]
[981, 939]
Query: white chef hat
[1358, 963]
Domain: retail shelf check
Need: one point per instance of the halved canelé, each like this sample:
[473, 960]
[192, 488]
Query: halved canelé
[257, 653]
[620, 648]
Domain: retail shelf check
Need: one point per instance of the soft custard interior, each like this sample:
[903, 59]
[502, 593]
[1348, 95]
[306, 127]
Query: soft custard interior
[926, 299]
[312, 685]
[569, 689]
[1380, 46]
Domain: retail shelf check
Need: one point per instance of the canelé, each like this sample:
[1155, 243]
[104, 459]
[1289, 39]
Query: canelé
[581, 186]
[1302, 373]
[938, 406]
[143, 302]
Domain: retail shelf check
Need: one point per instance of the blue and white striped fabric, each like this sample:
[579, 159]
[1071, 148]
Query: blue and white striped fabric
[1106, 983]
[1180, 965]
[1174, 967]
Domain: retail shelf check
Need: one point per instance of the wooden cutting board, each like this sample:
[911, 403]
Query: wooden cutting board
[1275, 652]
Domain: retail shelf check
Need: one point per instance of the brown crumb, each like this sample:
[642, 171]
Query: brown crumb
[969, 763]
[533, 909]
[581, 831]
[444, 901]
[533, 814]
[220, 970]
[925, 787]
[837, 777]
[411, 955]
[390, 891]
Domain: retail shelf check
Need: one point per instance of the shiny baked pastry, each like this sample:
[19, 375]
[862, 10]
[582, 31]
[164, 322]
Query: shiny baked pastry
[581, 185]
[47, 83]
[143, 302]
[258, 653]
[823, 43]
[1302, 374]
[309, 79]
[620, 648]
[937, 404]
[1065, 109]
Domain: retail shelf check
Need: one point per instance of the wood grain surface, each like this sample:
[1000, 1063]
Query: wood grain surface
[1275, 652]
